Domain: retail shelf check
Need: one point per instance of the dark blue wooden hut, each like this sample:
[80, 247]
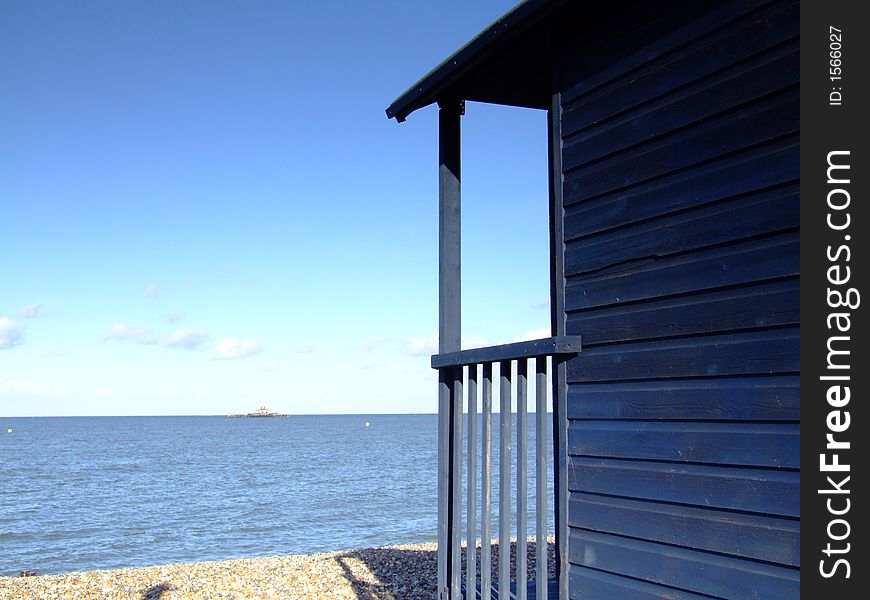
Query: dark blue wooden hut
[673, 141]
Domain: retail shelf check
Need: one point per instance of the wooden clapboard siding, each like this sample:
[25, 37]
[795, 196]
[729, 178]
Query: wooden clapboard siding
[733, 175]
[773, 398]
[591, 584]
[680, 141]
[683, 568]
[771, 539]
[699, 37]
[697, 53]
[763, 491]
[769, 119]
[708, 98]
[743, 353]
[771, 257]
[764, 213]
[765, 304]
[752, 444]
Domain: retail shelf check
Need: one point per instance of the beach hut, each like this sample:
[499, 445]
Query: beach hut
[673, 201]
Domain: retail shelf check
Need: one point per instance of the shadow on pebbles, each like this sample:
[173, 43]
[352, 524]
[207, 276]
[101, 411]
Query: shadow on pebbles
[387, 573]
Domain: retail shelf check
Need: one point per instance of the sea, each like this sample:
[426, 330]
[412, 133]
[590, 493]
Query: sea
[85, 493]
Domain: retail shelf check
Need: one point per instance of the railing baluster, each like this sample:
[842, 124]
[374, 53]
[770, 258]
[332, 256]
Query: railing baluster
[504, 490]
[522, 475]
[541, 476]
[471, 510]
[456, 482]
[444, 386]
[558, 376]
[486, 486]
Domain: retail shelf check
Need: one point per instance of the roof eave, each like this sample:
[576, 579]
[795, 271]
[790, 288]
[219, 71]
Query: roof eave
[432, 86]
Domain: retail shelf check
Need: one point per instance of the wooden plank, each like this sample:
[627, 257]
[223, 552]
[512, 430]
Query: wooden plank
[541, 499]
[620, 90]
[678, 32]
[522, 476]
[744, 172]
[592, 584]
[737, 85]
[449, 331]
[767, 398]
[486, 481]
[550, 346]
[767, 491]
[702, 572]
[560, 470]
[445, 383]
[765, 212]
[557, 327]
[551, 585]
[760, 537]
[471, 482]
[557, 216]
[745, 444]
[455, 572]
[449, 229]
[770, 118]
[504, 463]
[735, 264]
[761, 352]
[767, 304]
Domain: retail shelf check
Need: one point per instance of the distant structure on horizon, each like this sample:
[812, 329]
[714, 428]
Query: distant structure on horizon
[260, 412]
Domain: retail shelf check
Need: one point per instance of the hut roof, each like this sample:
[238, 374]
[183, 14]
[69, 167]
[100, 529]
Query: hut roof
[502, 64]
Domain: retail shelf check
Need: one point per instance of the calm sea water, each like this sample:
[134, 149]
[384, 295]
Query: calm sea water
[83, 493]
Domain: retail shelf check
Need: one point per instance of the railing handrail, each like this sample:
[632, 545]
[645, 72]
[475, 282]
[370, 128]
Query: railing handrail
[550, 346]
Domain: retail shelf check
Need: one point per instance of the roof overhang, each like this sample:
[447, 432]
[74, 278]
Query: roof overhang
[507, 63]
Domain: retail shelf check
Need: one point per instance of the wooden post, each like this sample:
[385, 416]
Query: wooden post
[449, 336]
[449, 229]
[558, 328]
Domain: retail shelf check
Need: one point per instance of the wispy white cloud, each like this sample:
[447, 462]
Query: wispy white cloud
[153, 290]
[474, 341]
[423, 346]
[306, 348]
[11, 333]
[31, 311]
[231, 347]
[370, 344]
[33, 388]
[174, 317]
[187, 339]
[122, 332]
[533, 334]
[428, 345]
[541, 304]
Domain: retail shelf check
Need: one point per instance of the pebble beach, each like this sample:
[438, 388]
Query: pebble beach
[385, 573]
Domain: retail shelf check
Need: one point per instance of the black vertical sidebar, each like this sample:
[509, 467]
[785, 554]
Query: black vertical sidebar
[835, 366]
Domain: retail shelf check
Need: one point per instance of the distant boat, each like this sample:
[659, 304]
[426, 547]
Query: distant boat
[260, 412]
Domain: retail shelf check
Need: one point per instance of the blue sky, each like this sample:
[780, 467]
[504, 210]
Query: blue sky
[204, 207]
